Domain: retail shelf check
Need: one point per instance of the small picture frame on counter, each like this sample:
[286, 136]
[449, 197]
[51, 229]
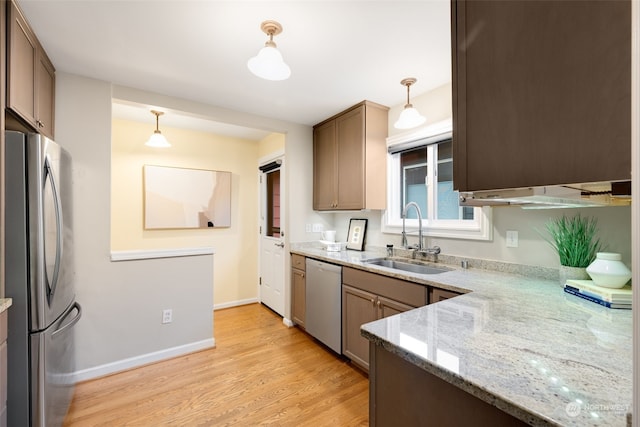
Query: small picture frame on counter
[357, 233]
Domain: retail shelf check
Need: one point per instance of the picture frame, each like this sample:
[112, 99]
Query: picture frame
[176, 198]
[357, 234]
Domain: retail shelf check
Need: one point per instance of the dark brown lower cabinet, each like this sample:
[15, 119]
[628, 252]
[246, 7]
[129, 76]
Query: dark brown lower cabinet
[402, 394]
[367, 297]
[298, 286]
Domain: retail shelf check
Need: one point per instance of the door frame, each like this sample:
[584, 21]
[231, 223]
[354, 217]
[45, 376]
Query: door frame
[272, 157]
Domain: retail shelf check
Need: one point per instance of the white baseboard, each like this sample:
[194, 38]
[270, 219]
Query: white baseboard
[235, 303]
[288, 323]
[144, 359]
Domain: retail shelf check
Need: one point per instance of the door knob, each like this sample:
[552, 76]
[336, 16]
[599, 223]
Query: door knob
[281, 244]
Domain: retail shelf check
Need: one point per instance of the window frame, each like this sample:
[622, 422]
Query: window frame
[480, 228]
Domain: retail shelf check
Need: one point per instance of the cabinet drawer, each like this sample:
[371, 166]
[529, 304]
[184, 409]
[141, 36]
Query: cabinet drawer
[297, 261]
[406, 292]
[438, 294]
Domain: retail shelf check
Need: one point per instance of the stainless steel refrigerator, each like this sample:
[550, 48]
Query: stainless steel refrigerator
[39, 277]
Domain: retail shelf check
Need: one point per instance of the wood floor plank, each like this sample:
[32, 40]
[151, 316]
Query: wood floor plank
[260, 373]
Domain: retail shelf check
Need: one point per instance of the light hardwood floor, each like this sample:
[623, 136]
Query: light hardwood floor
[260, 373]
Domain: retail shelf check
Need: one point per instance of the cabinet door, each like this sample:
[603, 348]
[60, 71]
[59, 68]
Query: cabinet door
[388, 307]
[358, 308]
[541, 92]
[324, 167]
[45, 95]
[299, 296]
[350, 159]
[21, 58]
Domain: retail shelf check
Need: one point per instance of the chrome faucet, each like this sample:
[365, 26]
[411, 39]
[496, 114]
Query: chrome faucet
[404, 233]
[421, 249]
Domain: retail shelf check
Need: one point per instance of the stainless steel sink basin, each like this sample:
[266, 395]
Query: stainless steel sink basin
[406, 266]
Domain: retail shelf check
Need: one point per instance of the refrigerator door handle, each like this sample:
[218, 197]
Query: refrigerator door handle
[72, 322]
[49, 177]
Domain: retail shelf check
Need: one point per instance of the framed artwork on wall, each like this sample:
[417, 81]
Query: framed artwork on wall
[357, 233]
[186, 198]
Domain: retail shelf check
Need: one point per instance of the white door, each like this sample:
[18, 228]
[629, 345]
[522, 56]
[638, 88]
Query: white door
[272, 258]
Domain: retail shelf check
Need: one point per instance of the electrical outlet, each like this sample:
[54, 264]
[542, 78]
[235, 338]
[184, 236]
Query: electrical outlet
[512, 239]
[167, 315]
[318, 228]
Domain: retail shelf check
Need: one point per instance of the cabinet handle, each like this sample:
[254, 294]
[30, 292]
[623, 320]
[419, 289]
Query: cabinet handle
[40, 124]
[373, 301]
[379, 304]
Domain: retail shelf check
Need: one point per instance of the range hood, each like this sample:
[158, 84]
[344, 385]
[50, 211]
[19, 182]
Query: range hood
[556, 196]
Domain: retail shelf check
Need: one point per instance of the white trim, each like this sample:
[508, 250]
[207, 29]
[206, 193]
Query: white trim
[428, 131]
[288, 323]
[159, 253]
[236, 303]
[454, 230]
[144, 359]
[271, 157]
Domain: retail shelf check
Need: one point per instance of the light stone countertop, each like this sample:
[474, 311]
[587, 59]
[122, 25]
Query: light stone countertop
[519, 343]
[5, 303]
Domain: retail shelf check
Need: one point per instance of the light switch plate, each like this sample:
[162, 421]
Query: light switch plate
[512, 239]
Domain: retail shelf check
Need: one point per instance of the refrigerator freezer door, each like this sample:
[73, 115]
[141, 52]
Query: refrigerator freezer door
[52, 367]
[38, 273]
[49, 188]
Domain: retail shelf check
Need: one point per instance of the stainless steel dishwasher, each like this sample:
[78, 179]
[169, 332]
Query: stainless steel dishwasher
[324, 303]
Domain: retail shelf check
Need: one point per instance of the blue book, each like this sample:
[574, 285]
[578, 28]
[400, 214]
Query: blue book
[574, 291]
[622, 295]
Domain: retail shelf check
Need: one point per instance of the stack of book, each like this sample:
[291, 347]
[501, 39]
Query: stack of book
[608, 297]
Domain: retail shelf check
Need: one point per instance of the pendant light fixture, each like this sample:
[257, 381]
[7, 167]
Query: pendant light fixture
[268, 63]
[410, 117]
[157, 139]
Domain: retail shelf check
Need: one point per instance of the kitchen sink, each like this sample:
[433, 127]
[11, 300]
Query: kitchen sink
[406, 266]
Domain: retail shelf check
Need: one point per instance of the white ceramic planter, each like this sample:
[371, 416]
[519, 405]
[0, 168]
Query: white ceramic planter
[608, 270]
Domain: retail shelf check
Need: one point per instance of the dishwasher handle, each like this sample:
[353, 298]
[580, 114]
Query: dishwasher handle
[324, 266]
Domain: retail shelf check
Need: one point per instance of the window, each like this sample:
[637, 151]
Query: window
[421, 171]
[273, 203]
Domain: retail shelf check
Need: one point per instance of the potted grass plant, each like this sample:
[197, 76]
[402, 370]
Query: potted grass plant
[575, 241]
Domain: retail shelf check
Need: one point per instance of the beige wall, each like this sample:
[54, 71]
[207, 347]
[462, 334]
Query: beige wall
[236, 265]
[273, 143]
[123, 301]
[435, 105]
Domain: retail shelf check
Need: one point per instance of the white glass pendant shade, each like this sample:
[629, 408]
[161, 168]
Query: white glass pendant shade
[409, 118]
[268, 64]
[157, 140]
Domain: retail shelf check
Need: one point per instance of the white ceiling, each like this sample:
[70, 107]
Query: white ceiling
[340, 52]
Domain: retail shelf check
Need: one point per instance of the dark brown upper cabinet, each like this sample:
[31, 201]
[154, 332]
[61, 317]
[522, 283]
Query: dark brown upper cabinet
[30, 77]
[350, 158]
[541, 92]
